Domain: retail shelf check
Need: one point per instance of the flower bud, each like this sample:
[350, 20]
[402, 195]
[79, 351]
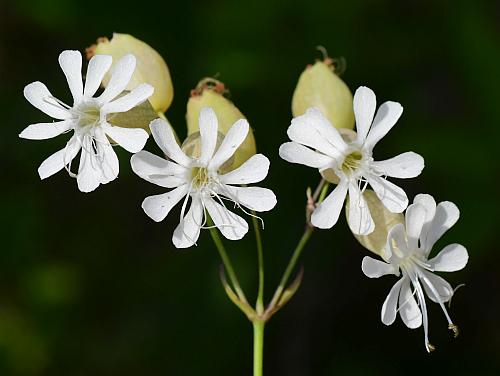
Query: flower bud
[150, 68]
[384, 221]
[321, 88]
[209, 93]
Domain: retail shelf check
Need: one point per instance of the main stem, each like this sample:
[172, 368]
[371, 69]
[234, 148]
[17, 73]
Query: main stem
[258, 347]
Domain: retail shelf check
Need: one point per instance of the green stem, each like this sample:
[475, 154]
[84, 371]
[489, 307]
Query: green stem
[258, 347]
[319, 195]
[291, 264]
[260, 256]
[226, 261]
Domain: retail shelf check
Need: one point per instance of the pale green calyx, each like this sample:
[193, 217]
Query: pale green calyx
[151, 67]
[321, 88]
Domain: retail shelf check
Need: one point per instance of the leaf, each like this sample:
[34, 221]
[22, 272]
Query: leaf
[290, 291]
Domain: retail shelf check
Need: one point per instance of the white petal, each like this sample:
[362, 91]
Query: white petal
[408, 308]
[187, 232]
[40, 97]
[164, 137]
[364, 104]
[254, 198]
[58, 160]
[396, 240]
[43, 131]
[437, 289]
[157, 207]
[232, 141]
[297, 153]
[71, 64]
[388, 314]
[253, 170]
[415, 219]
[428, 202]
[131, 139]
[137, 96]
[107, 159]
[98, 66]
[120, 77]
[208, 133]
[446, 216]
[232, 226]
[158, 170]
[453, 257]
[393, 197]
[89, 173]
[360, 219]
[403, 166]
[373, 268]
[387, 116]
[314, 130]
[327, 213]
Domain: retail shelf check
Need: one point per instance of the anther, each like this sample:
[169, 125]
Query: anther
[455, 330]
[430, 347]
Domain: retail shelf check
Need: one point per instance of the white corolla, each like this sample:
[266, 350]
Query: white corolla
[201, 179]
[407, 253]
[87, 117]
[317, 143]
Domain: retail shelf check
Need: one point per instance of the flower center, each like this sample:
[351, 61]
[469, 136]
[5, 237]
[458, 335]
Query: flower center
[352, 162]
[200, 177]
[88, 114]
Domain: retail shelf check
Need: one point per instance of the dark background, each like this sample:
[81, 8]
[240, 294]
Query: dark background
[89, 285]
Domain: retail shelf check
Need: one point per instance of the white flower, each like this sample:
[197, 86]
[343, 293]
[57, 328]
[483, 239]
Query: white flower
[200, 179]
[352, 161]
[407, 251]
[87, 117]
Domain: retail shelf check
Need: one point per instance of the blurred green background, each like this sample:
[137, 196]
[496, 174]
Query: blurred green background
[89, 285]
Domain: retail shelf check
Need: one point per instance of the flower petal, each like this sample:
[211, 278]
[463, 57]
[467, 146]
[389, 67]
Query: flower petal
[232, 226]
[403, 166]
[408, 307]
[453, 257]
[314, 130]
[393, 197]
[157, 207]
[58, 160]
[388, 313]
[107, 158]
[157, 170]
[327, 213]
[164, 137]
[387, 116]
[396, 241]
[360, 219]
[40, 97]
[131, 139]
[296, 153]
[187, 232]
[437, 289]
[98, 66]
[253, 170]
[446, 216]
[120, 77]
[137, 96]
[43, 131]
[208, 132]
[415, 219]
[428, 202]
[71, 65]
[89, 172]
[364, 104]
[232, 141]
[254, 198]
[374, 268]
